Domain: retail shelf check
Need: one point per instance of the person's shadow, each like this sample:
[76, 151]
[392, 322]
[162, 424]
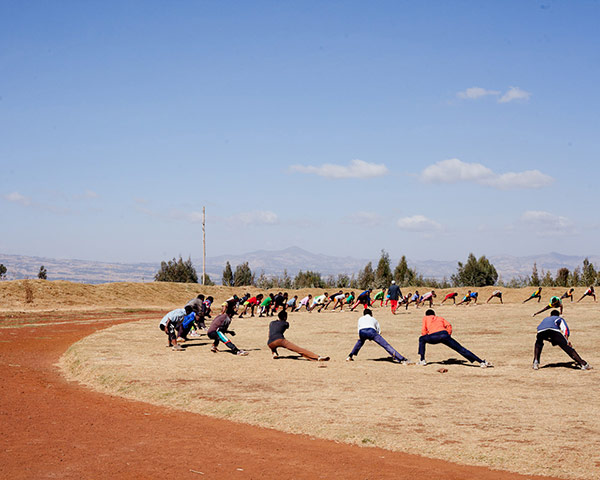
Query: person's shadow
[455, 361]
[571, 365]
[384, 359]
[188, 344]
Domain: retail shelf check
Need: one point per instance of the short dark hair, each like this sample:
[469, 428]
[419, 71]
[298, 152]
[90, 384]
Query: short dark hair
[188, 309]
[200, 296]
[429, 312]
[555, 313]
[367, 311]
[282, 315]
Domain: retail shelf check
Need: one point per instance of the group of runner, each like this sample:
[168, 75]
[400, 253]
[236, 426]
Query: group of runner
[181, 322]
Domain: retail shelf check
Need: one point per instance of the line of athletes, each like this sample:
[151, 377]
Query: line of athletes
[178, 323]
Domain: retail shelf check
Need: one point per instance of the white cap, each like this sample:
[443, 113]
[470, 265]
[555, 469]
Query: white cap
[393, 281]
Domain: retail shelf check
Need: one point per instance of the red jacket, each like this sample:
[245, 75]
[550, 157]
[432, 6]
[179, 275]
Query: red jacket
[432, 324]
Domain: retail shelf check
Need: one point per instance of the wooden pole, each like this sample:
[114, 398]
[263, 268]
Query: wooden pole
[203, 245]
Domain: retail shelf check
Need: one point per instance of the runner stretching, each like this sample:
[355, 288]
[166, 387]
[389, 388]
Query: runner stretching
[537, 294]
[451, 296]
[438, 330]
[413, 299]
[277, 340]
[568, 294]
[305, 302]
[555, 330]
[428, 297]
[588, 293]
[555, 302]
[363, 299]
[497, 294]
[217, 331]
[369, 329]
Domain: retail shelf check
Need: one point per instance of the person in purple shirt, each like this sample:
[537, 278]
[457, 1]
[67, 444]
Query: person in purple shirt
[217, 331]
[555, 330]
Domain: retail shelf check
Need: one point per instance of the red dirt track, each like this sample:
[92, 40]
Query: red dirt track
[51, 428]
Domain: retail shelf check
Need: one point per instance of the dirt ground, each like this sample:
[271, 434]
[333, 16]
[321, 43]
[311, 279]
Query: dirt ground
[52, 428]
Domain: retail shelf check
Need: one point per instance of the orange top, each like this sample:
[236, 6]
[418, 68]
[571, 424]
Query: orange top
[432, 324]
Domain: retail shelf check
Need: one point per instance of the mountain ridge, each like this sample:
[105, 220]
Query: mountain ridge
[274, 263]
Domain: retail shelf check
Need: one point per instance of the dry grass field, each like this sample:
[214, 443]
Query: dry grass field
[508, 417]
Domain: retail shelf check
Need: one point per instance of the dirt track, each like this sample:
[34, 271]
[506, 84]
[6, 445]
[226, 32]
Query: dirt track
[54, 429]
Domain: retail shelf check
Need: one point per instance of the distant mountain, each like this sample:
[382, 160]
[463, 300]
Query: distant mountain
[292, 259]
[273, 263]
[83, 271]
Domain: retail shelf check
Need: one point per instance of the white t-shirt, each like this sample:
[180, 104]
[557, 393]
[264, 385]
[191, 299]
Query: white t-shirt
[367, 321]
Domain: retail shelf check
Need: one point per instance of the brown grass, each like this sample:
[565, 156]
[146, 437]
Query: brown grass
[508, 417]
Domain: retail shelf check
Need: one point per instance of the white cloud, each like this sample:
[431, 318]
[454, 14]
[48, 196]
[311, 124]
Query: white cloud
[356, 169]
[474, 93]
[16, 197]
[257, 217]
[371, 219]
[546, 222]
[418, 223]
[90, 194]
[514, 93]
[454, 170]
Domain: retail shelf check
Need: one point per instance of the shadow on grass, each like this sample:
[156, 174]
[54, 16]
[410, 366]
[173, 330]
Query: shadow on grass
[455, 361]
[383, 359]
[571, 365]
[188, 345]
[290, 357]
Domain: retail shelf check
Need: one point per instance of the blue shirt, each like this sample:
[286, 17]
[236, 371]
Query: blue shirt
[554, 323]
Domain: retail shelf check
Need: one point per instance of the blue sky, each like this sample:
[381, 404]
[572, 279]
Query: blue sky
[430, 129]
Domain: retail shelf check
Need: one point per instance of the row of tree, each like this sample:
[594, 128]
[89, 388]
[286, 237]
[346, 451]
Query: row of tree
[474, 272]
[42, 274]
[578, 277]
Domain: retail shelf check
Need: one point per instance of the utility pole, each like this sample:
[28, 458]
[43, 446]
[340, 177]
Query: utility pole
[203, 245]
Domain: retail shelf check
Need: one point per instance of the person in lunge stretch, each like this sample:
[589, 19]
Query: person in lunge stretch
[555, 302]
[555, 330]
[199, 309]
[265, 305]
[363, 299]
[438, 330]
[217, 331]
[379, 296]
[451, 296]
[170, 324]
[568, 294]
[537, 294]
[185, 326]
[251, 304]
[497, 294]
[305, 302]
[469, 297]
[277, 340]
[413, 299]
[588, 293]
[291, 303]
[369, 329]
[339, 301]
[428, 297]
